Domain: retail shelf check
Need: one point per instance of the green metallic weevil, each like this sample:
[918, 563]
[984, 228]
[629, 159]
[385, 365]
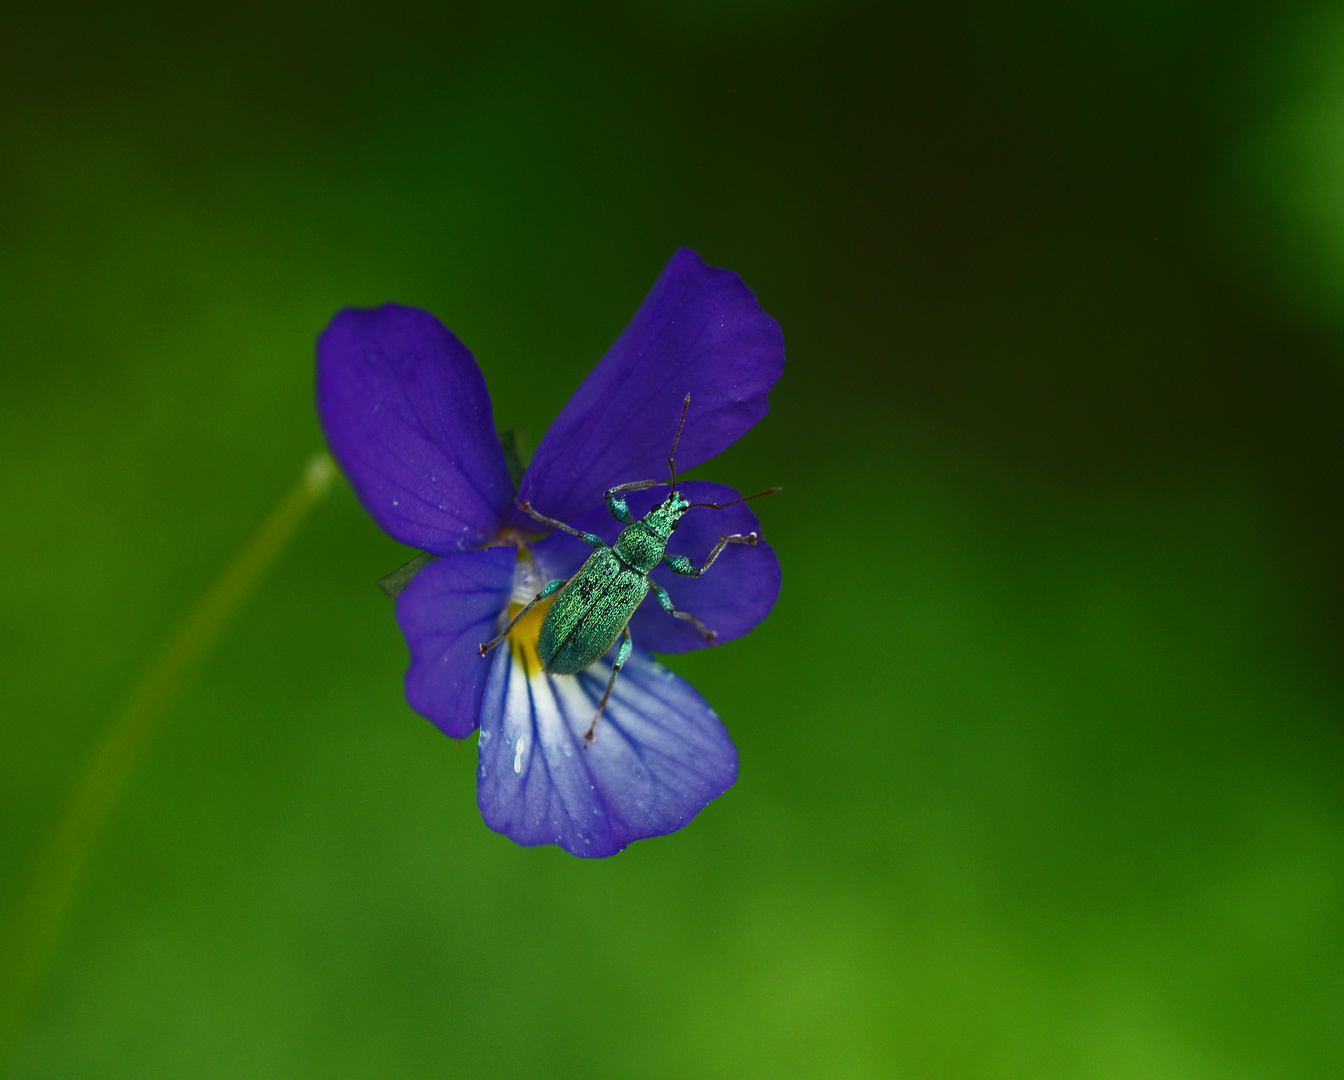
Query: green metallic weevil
[595, 605]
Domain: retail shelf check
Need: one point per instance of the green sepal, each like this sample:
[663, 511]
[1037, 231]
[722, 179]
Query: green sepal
[516, 454]
[393, 583]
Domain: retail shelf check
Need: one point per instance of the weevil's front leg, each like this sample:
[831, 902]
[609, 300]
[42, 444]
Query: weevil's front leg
[587, 538]
[666, 601]
[551, 586]
[622, 655]
[616, 505]
[682, 565]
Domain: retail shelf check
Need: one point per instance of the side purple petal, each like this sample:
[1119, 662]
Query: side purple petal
[659, 756]
[448, 609]
[407, 415]
[735, 594]
[699, 331]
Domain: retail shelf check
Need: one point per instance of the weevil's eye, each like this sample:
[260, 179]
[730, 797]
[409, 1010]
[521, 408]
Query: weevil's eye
[675, 524]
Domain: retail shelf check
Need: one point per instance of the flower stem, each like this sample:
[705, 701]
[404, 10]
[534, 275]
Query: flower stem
[35, 922]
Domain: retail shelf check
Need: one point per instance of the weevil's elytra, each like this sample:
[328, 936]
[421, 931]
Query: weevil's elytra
[594, 607]
[590, 613]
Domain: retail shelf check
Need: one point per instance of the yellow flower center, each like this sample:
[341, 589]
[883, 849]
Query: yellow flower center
[525, 633]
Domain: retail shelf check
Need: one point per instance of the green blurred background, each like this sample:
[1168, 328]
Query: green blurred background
[1043, 746]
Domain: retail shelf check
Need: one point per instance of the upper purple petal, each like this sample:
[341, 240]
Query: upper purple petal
[446, 612]
[735, 594]
[408, 417]
[660, 754]
[699, 331]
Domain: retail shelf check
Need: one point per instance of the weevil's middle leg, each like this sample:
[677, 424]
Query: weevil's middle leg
[550, 587]
[587, 538]
[666, 601]
[622, 655]
[679, 564]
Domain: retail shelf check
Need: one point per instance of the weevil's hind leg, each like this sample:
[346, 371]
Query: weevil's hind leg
[666, 601]
[622, 655]
[551, 586]
[679, 564]
[587, 538]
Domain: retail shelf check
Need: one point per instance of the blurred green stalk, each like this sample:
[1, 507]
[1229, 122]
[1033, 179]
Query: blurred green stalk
[34, 928]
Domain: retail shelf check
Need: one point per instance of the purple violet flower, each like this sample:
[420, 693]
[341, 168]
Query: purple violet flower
[407, 415]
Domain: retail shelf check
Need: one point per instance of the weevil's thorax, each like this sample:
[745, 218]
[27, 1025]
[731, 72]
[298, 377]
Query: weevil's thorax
[642, 545]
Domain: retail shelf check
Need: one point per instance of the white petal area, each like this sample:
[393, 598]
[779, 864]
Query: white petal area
[659, 756]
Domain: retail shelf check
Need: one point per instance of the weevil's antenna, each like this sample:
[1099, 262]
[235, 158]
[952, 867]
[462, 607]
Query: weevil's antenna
[671, 465]
[720, 506]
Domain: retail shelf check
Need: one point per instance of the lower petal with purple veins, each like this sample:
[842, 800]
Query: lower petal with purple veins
[658, 756]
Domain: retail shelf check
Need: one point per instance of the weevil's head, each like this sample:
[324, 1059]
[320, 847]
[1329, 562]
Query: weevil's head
[663, 519]
[643, 544]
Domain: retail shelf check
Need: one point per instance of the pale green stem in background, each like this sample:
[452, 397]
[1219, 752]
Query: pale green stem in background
[36, 920]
